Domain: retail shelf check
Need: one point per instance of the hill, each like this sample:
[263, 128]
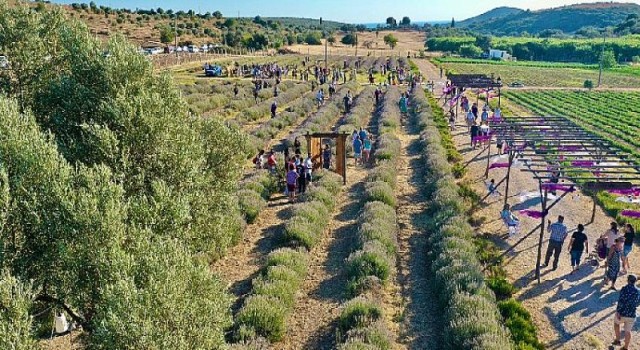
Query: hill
[496, 13]
[567, 19]
[145, 26]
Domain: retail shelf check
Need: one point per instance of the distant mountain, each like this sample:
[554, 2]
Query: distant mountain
[568, 19]
[496, 13]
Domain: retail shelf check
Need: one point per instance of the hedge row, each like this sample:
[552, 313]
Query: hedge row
[472, 319]
[263, 109]
[442, 124]
[360, 112]
[272, 299]
[254, 194]
[361, 324]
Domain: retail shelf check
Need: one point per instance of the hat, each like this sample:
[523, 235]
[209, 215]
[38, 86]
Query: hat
[632, 279]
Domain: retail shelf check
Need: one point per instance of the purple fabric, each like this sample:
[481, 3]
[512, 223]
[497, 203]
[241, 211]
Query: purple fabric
[631, 214]
[532, 213]
[481, 138]
[499, 165]
[555, 187]
[582, 163]
[630, 192]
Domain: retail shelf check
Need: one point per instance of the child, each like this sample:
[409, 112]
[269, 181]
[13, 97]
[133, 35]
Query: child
[492, 187]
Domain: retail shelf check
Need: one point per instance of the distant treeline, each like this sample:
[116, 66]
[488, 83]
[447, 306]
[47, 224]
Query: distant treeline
[625, 49]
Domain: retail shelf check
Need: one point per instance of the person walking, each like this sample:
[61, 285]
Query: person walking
[326, 157]
[302, 176]
[628, 302]
[274, 109]
[297, 146]
[292, 180]
[579, 243]
[347, 102]
[366, 149]
[629, 234]
[556, 240]
[614, 258]
[363, 134]
[357, 150]
[475, 132]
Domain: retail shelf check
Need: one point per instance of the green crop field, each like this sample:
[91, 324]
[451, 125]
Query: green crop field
[547, 75]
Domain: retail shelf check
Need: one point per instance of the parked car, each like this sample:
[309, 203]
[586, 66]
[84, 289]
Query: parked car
[193, 49]
[516, 84]
[179, 49]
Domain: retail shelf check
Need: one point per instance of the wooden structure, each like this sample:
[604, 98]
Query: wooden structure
[460, 82]
[314, 147]
[562, 157]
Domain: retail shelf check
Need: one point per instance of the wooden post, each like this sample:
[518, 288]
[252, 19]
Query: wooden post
[512, 154]
[544, 218]
[486, 173]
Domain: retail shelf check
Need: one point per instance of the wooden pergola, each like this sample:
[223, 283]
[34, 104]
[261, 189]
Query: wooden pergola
[314, 147]
[554, 150]
[460, 82]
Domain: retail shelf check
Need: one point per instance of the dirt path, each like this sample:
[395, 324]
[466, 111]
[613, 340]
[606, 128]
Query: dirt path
[419, 319]
[243, 261]
[312, 321]
[571, 311]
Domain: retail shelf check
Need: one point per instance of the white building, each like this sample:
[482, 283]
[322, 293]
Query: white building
[499, 54]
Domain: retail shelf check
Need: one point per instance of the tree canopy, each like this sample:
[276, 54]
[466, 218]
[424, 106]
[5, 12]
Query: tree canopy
[113, 197]
[390, 40]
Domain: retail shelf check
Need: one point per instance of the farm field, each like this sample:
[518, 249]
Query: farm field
[150, 206]
[543, 75]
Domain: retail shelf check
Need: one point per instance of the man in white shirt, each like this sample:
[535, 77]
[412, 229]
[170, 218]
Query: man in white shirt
[308, 166]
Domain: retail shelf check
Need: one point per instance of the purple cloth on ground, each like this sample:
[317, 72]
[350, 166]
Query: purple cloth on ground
[499, 165]
[631, 213]
[555, 187]
[532, 213]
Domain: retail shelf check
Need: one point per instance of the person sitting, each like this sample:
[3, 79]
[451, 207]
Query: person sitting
[510, 220]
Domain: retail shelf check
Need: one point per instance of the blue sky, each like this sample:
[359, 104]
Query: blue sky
[350, 11]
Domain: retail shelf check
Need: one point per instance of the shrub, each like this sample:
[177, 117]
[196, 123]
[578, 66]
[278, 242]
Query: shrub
[279, 282]
[374, 336]
[313, 211]
[380, 191]
[501, 287]
[519, 322]
[471, 319]
[263, 316]
[293, 259]
[15, 321]
[359, 313]
[385, 172]
[372, 260]
[300, 231]
[320, 194]
[251, 204]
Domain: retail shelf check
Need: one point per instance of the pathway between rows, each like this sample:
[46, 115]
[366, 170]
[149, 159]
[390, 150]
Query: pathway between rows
[312, 324]
[420, 320]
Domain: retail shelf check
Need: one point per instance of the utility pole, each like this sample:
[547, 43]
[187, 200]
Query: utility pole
[175, 33]
[326, 40]
[356, 44]
[604, 38]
